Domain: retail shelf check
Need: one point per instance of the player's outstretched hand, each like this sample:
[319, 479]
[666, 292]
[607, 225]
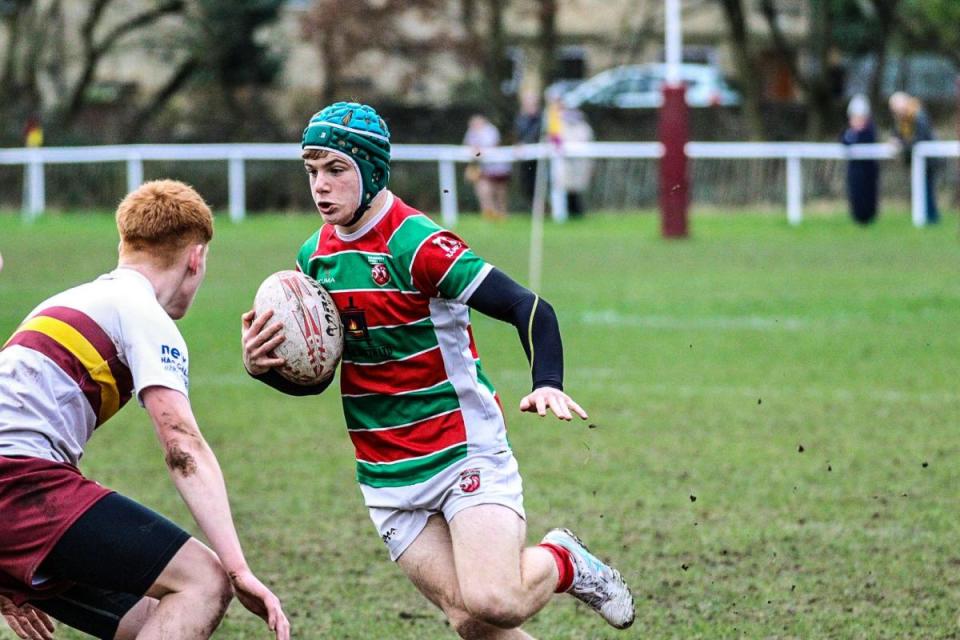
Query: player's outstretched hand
[253, 595]
[560, 403]
[27, 622]
[259, 341]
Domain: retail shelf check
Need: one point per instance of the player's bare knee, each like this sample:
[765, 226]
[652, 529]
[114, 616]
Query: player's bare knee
[493, 607]
[469, 628]
[460, 621]
[212, 585]
[221, 591]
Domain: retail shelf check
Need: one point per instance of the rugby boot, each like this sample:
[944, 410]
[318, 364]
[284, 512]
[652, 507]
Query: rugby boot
[595, 583]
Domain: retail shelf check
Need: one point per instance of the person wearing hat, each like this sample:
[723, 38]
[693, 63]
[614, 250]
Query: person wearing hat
[862, 175]
[432, 458]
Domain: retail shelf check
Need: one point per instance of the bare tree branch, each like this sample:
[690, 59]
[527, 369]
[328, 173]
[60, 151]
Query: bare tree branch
[749, 80]
[159, 100]
[927, 37]
[788, 51]
[93, 51]
[547, 40]
[136, 22]
[341, 32]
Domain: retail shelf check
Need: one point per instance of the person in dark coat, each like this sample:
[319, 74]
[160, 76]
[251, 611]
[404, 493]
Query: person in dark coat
[527, 129]
[862, 175]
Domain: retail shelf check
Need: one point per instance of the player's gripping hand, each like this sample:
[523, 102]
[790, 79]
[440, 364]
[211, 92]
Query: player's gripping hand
[27, 622]
[259, 341]
[259, 600]
[557, 401]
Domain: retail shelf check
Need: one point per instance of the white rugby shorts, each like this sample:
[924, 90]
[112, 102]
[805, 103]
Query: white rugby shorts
[488, 478]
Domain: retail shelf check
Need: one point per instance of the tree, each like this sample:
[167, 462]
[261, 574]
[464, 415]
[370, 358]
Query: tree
[547, 40]
[343, 32]
[98, 39]
[41, 50]
[27, 27]
[218, 49]
[52, 60]
[867, 28]
[836, 29]
[496, 66]
[817, 82]
[931, 25]
[744, 60]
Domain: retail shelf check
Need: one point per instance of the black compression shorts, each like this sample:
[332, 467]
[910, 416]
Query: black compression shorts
[114, 552]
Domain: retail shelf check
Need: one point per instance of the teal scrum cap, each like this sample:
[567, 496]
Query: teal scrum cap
[356, 131]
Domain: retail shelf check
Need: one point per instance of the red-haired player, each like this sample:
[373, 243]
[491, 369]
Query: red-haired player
[89, 557]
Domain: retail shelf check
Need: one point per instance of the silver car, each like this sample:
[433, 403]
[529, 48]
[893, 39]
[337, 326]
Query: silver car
[640, 86]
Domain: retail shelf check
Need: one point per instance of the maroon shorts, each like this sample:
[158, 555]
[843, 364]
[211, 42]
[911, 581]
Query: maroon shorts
[39, 500]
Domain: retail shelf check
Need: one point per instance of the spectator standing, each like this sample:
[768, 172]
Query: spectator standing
[32, 139]
[33, 132]
[912, 125]
[862, 175]
[527, 129]
[577, 171]
[490, 178]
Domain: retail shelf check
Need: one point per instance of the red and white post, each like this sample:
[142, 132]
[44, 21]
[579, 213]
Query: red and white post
[673, 132]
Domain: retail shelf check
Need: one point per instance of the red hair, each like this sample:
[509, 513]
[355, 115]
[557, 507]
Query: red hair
[162, 217]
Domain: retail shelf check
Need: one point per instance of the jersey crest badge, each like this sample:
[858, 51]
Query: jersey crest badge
[449, 246]
[354, 322]
[469, 480]
[380, 274]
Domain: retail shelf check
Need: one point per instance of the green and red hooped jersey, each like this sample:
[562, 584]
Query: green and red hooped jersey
[414, 394]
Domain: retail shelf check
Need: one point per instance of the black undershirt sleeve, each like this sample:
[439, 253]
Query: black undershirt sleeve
[273, 379]
[500, 297]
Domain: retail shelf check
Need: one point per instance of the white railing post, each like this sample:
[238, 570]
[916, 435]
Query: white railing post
[918, 188]
[36, 190]
[558, 195]
[134, 171]
[448, 192]
[794, 190]
[238, 189]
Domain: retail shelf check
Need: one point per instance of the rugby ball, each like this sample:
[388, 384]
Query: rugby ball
[311, 326]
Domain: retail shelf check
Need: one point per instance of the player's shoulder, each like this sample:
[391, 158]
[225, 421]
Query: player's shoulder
[310, 246]
[128, 290]
[105, 297]
[409, 229]
[117, 305]
[129, 297]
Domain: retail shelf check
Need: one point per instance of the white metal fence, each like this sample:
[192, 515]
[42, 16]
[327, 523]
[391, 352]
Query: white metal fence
[447, 157]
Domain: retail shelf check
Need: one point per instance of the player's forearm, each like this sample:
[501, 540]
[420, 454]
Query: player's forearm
[273, 379]
[197, 475]
[195, 471]
[500, 297]
[545, 351]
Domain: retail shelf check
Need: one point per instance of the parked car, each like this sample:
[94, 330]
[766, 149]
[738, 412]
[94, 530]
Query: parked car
[931, 78]
[640, 86]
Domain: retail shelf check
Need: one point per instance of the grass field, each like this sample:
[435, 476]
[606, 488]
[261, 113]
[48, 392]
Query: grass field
[776, 451]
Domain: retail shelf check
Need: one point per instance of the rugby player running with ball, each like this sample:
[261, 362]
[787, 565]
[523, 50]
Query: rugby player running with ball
[432, 457]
